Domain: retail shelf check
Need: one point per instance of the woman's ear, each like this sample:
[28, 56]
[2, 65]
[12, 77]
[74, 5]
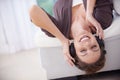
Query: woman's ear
[72, 50]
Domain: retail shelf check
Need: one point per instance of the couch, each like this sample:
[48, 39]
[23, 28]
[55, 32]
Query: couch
[54, 63]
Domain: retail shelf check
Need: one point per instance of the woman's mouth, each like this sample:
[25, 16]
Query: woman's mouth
[83, 38]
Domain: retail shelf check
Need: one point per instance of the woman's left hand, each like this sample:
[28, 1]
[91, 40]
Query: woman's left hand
[66, 52]
[95, 26]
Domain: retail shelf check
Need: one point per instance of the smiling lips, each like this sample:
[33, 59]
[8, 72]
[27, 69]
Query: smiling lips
[84, 38]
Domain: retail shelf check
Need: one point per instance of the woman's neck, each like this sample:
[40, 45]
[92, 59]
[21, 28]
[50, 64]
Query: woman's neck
[76, 27]
[78, 10]
[78, 24]
[78, 20]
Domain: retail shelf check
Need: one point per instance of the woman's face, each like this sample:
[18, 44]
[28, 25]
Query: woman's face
[87, 48]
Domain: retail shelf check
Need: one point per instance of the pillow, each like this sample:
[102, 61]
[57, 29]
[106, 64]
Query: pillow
[116, 5]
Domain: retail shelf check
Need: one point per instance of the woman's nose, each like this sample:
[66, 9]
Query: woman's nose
[88, 44]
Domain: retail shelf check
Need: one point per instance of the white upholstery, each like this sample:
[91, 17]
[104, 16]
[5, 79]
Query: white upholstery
[42, 40]
[114, 29]
[53, 60]
[116, 4]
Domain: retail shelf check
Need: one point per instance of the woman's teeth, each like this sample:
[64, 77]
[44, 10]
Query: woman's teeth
[84, 38]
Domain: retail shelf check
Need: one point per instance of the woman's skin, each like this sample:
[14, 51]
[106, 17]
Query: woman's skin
[86, 45]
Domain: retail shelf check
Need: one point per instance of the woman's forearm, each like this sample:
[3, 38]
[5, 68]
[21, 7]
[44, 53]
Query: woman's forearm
[90, 6]
[92, 20]
[41, 19]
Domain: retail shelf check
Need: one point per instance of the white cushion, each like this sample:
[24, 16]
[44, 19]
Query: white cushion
[114, 29]
[116, 4]
[57, 67]
[42, 40]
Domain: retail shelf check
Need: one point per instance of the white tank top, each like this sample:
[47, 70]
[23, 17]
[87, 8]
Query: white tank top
[76, 2]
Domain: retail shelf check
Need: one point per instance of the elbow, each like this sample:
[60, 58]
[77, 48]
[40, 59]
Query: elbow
[32, 11]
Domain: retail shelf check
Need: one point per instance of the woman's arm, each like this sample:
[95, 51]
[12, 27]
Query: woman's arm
[90, 6]
[90, 19]
[41, 19]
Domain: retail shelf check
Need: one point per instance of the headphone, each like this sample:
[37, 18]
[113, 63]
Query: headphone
[100, 42]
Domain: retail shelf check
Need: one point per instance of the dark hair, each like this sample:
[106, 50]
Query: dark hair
[93, 67]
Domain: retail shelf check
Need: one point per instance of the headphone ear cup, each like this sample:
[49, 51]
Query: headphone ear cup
[104, 51]
[100, 42]
[72, 50]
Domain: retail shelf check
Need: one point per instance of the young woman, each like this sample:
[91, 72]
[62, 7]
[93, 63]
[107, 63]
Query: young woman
[78, 21]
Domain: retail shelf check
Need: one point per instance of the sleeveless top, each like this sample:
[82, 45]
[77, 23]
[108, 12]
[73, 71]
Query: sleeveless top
[63, 15]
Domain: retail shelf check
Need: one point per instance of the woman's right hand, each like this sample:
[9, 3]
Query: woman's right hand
[66, 52]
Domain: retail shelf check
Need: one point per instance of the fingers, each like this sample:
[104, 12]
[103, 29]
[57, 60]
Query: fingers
[69, 59]
[100, 32]
[67, 55]
[95, 23]
[98, 29]
[70, 62]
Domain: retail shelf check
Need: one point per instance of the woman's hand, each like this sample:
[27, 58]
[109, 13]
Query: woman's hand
[66, 52]
[95, 26]
[91, 20]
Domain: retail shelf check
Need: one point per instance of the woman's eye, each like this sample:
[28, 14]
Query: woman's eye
[94, 47]
[83, 51]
